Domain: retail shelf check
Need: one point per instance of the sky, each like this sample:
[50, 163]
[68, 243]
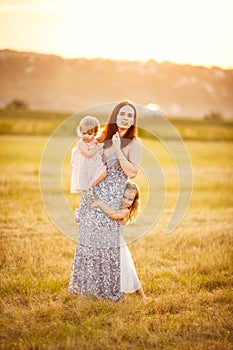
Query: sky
[198, 32]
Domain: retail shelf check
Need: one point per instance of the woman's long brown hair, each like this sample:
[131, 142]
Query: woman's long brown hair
[111, 126]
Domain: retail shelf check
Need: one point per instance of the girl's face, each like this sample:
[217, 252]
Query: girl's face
[128, 198]
[125, 117]
[87, 136]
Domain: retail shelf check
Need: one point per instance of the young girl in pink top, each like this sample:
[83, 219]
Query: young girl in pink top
[88, 168]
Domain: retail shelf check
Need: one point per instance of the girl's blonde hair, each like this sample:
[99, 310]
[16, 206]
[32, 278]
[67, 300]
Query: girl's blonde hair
[88, 123]
[133, 210]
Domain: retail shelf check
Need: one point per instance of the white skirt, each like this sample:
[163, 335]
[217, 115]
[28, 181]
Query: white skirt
[129, 278]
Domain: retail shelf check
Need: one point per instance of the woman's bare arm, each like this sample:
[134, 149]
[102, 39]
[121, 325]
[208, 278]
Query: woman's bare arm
[131, 165]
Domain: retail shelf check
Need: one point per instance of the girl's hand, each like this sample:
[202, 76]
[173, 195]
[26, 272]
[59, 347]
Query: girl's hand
[95, 204]
[116, 141]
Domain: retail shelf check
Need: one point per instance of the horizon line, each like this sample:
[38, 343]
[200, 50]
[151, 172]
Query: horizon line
[115, 59]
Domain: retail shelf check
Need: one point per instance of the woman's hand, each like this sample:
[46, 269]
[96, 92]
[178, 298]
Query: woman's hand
[130, 164]
[116, 141]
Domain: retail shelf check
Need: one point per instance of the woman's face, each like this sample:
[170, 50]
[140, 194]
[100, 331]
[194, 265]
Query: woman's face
[125, 117]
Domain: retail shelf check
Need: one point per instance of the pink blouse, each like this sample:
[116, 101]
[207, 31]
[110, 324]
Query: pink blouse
[85, 170]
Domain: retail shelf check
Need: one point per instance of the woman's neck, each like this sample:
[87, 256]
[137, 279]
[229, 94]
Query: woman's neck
[122, 132]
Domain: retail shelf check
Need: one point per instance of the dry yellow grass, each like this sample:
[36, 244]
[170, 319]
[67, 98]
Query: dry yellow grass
[187, 274]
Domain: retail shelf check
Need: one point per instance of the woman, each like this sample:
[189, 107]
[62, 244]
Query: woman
[96, 266]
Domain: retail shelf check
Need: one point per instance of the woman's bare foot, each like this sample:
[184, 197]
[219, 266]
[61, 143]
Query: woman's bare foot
[121, 300]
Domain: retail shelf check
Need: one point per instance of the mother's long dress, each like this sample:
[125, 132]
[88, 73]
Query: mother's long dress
[96, 268]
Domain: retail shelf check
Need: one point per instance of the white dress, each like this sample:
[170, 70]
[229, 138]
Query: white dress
[129, 278]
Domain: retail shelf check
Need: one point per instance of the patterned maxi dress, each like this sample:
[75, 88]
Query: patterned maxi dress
[96, 269]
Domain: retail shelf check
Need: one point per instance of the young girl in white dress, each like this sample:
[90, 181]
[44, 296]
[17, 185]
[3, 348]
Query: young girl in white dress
[88, 168]
[130, 203]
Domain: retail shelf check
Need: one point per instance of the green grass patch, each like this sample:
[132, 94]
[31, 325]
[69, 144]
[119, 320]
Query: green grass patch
[31, 122]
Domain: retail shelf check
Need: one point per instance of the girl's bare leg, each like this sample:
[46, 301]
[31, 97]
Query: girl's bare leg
[141, 293]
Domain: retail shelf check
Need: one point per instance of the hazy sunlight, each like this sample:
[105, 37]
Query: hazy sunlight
[196, 32]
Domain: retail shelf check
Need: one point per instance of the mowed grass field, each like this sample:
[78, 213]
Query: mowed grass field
[187, 274]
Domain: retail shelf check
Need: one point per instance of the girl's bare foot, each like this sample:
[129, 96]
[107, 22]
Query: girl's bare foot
[145, 298]
[142, 294]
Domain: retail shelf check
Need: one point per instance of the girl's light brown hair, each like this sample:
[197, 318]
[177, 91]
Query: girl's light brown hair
[133, 210]
[88, 123]
[111, 126]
